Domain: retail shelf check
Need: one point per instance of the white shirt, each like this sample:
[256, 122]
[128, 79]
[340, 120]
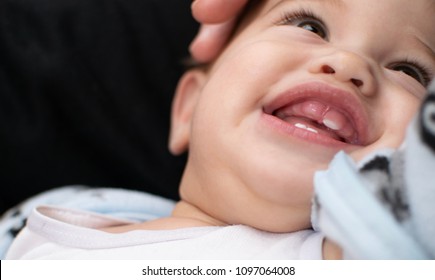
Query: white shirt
[58, 233]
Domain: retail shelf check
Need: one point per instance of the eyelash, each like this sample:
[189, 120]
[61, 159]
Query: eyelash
[424, 72]
[291, 18]
[301, 15]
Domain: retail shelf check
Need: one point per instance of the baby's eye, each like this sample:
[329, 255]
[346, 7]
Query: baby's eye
[412, 69]
[313, 27]
[305, 19]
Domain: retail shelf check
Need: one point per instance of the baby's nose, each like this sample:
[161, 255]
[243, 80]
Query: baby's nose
[348, 67]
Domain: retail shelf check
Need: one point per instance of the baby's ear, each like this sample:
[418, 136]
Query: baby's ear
[183, 105]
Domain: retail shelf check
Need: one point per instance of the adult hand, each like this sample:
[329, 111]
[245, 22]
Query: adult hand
[217, 18]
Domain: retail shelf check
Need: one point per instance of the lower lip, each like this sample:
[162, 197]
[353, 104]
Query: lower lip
[286, 129]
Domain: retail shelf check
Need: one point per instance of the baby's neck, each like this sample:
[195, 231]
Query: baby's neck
[191, 214]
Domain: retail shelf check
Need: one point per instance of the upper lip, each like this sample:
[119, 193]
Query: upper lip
[344, 101]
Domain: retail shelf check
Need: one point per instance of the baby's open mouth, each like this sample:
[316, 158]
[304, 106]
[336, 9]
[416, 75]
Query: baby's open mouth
[322, 111]
[317, 117]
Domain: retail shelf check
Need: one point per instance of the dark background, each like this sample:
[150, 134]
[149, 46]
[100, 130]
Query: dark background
[85, 94]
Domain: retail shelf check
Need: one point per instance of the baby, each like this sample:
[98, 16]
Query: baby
[298, 82]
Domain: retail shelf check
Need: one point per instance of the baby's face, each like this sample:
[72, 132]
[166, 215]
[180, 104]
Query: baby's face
[303, 80]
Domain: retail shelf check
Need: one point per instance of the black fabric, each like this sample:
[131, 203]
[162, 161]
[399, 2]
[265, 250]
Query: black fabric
[85, 94]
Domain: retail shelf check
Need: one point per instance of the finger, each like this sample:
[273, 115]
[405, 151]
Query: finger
[210, 41]
[216, 11]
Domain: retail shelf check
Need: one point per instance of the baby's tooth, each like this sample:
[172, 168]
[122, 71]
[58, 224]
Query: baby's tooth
[299, 125]
[334, 120]
[331, 124]
[312, 130]
[303, 126]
